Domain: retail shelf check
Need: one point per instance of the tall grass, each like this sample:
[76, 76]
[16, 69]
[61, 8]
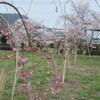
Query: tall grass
[3, 77]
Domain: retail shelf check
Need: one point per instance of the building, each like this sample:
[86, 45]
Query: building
[95, 44]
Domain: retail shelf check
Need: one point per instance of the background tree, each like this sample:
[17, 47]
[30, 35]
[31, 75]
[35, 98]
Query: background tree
[79, 22]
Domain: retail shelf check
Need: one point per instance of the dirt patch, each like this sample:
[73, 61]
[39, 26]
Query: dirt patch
[72, 88]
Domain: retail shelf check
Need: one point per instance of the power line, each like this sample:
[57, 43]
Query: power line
[38, 2]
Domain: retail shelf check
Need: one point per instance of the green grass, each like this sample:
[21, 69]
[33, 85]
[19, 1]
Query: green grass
[89, 61]
[82, 81]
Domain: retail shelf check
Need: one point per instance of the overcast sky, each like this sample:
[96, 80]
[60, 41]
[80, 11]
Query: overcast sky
[43, 10]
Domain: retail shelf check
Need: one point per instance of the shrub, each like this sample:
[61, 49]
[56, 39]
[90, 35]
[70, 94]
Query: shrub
[93, 52]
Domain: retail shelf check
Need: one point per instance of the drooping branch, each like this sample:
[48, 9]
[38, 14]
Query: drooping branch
[2, 2]
[6, 24]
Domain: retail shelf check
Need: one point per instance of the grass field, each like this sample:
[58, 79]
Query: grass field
[82, 81]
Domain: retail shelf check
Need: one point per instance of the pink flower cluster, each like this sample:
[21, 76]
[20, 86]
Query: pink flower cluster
[58, 83]
[28, 49]
[57, 87]
[26, 74]
[14, 49]
[7, 56]
[37, 83]
[36, 51]
[55, 90]
[22, 59]
[31, 28]
[4, 32]
[58, 75]
[34, 95]
[74, 33]
[53, 80]
[49, 57]
[50, 62]
[26, 84]
[9, 42]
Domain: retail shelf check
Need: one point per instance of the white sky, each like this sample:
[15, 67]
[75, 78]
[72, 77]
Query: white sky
[44, 9]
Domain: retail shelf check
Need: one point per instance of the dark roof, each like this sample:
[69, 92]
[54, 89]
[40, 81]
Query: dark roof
[95, 40]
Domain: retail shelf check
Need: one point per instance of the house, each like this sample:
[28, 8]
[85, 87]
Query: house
[95, 44]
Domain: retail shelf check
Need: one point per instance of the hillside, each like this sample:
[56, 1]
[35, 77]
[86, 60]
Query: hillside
[12, 17]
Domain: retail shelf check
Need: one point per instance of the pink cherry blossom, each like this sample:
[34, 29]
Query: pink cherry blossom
[55, 90]
[58, 76]
[0, 25]
[44, 94]
[28, 49]
[50, 62]
[26, 84]
[25, 74]
[48, 72]
[9, 42]
[31, 28]
[2, 57]
[8, 56]
[7, 38]
[37, 83]
[56, 65]
[49, 57]
[59, 83]
[21, 59]
[34, 95]
[37, 51]
[14, 49]
[20, 36]
[4, 32]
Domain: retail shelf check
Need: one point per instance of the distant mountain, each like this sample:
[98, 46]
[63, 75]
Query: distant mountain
[12, 17]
